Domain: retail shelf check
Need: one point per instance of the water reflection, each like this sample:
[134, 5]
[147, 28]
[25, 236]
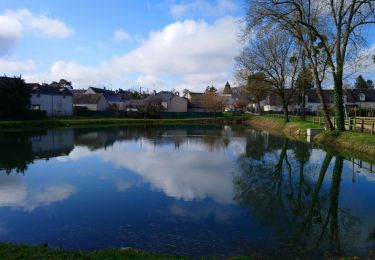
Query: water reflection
[281, 190]
[220, 190]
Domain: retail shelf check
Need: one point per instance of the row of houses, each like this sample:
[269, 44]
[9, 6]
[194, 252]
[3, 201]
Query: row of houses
[58, 100]
[353, 98]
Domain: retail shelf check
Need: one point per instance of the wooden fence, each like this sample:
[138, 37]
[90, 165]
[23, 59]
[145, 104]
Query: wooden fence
[358, 124]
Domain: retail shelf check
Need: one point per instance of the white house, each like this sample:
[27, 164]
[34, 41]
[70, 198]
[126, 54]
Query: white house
[56, 101]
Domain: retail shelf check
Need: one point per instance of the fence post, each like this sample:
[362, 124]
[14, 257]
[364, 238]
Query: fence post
[362, 125]
[373, 127]
[354, 123]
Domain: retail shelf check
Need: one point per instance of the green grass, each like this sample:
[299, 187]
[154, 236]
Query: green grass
[349, 142]
[303, 125]
[10, 251]
[11, 125]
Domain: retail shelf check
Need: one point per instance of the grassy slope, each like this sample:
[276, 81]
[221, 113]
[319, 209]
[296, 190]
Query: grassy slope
[362, 144]
[76, 122]
[10, 251]
[294, 129]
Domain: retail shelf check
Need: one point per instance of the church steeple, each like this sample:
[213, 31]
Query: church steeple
[227, 89]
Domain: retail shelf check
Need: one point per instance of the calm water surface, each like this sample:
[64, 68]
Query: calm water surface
[190, 190]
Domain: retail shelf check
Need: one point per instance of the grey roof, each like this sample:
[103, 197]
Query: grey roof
[49, 90]
[109, 95]
[134, 102]
[78, 91]
[91, 99]
[124, 94]
[369, 94]
[163, 96]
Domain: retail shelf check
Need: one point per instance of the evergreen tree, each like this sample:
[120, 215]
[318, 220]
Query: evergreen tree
[370, 84]
[360, 82]
[15, 96]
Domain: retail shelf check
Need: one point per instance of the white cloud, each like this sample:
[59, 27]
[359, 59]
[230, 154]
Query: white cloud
[40, 23]
[121, 36]
[8, 65]
[181, 174]
[202, 7]
[14, 23]
[150, 80]
[15, 193]
[195, 53]
[10, 33]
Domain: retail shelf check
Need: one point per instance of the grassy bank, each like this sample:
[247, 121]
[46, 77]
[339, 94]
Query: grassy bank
[295, 129]
[361, 144]
[57, 122]
[11, 251]
[347, 143]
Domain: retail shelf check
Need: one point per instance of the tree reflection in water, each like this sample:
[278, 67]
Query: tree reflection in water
[298, 200]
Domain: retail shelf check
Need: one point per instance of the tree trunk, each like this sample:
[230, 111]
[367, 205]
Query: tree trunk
[334, 201]
[285, 109]
[259, 108]
[303, 103]
[322, 101]
[338, 101]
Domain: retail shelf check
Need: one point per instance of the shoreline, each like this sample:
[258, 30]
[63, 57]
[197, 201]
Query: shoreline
[23, 251]
[347, 144]
[26, 125]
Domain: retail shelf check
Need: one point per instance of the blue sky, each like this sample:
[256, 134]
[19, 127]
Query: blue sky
[162, 44]
[121, 44]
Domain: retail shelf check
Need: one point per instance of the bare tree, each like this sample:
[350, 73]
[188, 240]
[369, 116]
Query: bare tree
[276, 56]
[257, 88]
[212, 101]
[331, 29]
[304, 82]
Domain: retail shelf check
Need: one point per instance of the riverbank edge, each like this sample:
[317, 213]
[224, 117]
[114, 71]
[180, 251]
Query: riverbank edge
[347, 144]
[22, 251]
[24, 125]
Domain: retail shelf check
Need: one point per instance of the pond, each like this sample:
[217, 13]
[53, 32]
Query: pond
[184, 190]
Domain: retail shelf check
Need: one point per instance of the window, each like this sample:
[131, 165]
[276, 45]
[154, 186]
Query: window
[362, 97]
[345, 99]
[35, 107]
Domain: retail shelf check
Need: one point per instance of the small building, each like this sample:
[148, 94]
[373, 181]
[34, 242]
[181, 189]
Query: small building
[93, 102]
[110, 96]
[56, 101]
[196, 102]
[171, 102]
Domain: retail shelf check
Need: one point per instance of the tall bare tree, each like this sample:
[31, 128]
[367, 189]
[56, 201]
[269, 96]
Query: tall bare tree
[331, 27]
[276, 56]
[304, 82]
[257, 88]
